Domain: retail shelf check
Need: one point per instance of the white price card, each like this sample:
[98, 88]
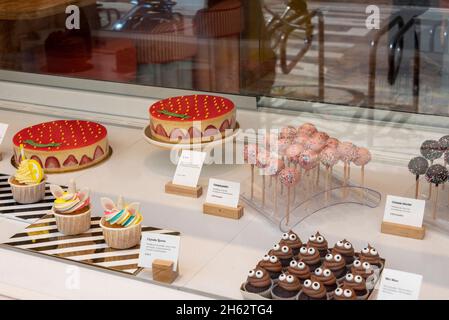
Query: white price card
[155, 246]
[3, 128]
[189, 168]
[224, 193]
[404, 211]
[399, 285]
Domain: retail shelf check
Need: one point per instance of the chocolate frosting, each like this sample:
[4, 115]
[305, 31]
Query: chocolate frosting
[270, 266]
[361, 270]
[289, 286]
[334, 264]
[313, 293]
[342, 292]
[313, 242]
[278, 251]
[359, 286]
[343, 249]
[369, 257]
[264, 281]
[302, 274]
[291, 240]
[309, 258]
[328, 280]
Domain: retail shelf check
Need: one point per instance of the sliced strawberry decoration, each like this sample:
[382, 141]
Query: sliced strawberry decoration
[210, 131]
[98, 153]
[85, 160]
[161, 131]
[225, 125]
[52, 163]
[70, 161]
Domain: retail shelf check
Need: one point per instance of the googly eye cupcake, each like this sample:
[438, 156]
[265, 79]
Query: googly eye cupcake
[318, 242]
[299, 269]
[287, 287]
[283, 253]
[344, 293]
[293, 241]
[258, 282]
[370, 254]
[363, 269]
[313, 290]
[272, 265]
[356, 283]
[336, 264]
[310, 256]
[345, 249]
[325, 277]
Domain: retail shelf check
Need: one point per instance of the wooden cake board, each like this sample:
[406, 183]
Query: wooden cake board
[183, 191]
[222, 211]
[403, 230]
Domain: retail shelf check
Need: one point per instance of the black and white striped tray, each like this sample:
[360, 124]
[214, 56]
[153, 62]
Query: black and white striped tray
[87, 248]
[28, 213]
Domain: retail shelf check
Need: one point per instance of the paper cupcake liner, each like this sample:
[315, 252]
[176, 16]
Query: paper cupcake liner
[122, 238]
[72, 224]
[275, 297]
[24, 194]
[328, 296]
[264, 295]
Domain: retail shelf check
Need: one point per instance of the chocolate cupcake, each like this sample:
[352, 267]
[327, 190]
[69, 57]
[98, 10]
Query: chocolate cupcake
[287, 287]
[313, 290]
[272, 265]
[283, 253]
[326, 277]
[299, 269]
[318, 242]
[344, 293]
[345, 249]
[310, 256]
[369, 254]
[336, 264]
[356, 283]
[292, 240]
[363, 269]
[258, 281]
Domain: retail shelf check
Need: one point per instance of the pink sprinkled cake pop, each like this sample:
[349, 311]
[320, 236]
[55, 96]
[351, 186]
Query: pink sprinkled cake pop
[263, 158]
[289, 177]
[275, 165]
[308, 129]
[293, 152]
[250, 153]
[301, 138]
[283, 145]
[269, 140]
[288, 133]
[308, 160]
[329, 157]
[346, 151]
[362, 157]
[332, 142]
[318, 141]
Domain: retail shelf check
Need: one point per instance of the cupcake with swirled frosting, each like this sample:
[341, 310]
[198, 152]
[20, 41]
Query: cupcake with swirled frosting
[283, 253]
[344, 293]
[356, 283]
[299, 269]
[272, 265]
[326, 277]
[318, 242]
[259, 282]
[310, 256]
[293, 241]
[345, 249]
[370, 254]
[313, 290]
[287, 288]
[336, 264]
[363, 269]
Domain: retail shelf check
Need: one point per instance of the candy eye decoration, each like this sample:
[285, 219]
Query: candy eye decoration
[348, 245]
[366, 265]
[273, 259]
[318, 271]
[339, 292]
[285, 236]
[266, 257]
[320, 239]
[293, 263]
[316, 286]
[307, 283]
[284, 249]
[312, 238]
[329, 257]
[303, 250]
[292, 237]
[349, 277]
[340, 244]
[365, 250]
[337, 258]
[358, 279]
[301, 265]
[311, 251]
[357, 263]
[259, 274]
[276, 247]
[290, 279]
[373, 252]
[327, 273]
[282, 277]
[348, 293]
[251, 273]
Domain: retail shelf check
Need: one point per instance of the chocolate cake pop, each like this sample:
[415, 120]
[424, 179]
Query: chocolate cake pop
[418, 166]
[431, 150]
[436, 174]
[289, 177]
[444, 143]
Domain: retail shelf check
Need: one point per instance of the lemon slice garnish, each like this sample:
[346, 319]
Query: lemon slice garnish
[37, 174]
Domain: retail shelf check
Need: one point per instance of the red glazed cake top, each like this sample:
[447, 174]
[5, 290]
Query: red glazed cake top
[60, 135]
[191, 108]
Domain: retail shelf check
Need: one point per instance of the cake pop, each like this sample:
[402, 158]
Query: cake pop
[270, 140]
[308, 129]
[289, 177]
[273, 168]
[250, 157]
[308, 160]
[332, 142]
[318, 141]
[361, 159]
[288, 133]
[444, 143]
[346, 151]
[418, 166]
[431, 150]
[263, 158]
[329, 158]
[293, 152]
[283, 145]
[302, 139]
[436, 174]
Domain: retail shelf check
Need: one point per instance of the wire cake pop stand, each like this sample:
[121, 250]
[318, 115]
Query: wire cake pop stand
[309, 197]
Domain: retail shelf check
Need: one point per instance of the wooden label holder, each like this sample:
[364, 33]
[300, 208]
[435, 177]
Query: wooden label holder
[163, 271]
[183, 191]
[403, 230]
[223, 211]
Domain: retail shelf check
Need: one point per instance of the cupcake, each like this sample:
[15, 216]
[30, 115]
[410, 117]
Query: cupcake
[287, 287]
[325, 277]
[310, 256]
[121, 224]
[71, 209]
[292, 240]
[369, 254]
[344, 293]
[345, 249]
[272, 265]
[313, 290]
[259, 282]
[299, 269]
[28, 183]
[283, 253]
[336, 264]
[356, 283]
[363, 269]
[318, 242]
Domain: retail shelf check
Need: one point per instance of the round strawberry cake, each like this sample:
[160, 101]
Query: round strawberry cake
[192, 119]
[63, 145]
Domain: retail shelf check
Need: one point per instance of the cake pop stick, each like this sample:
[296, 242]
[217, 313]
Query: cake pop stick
[274, 167]
[250, 156]
[263, 158]
[436, 174]
[289, 177]
[346, 152]
[418, 166]
[329, 157]
[308, 160]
